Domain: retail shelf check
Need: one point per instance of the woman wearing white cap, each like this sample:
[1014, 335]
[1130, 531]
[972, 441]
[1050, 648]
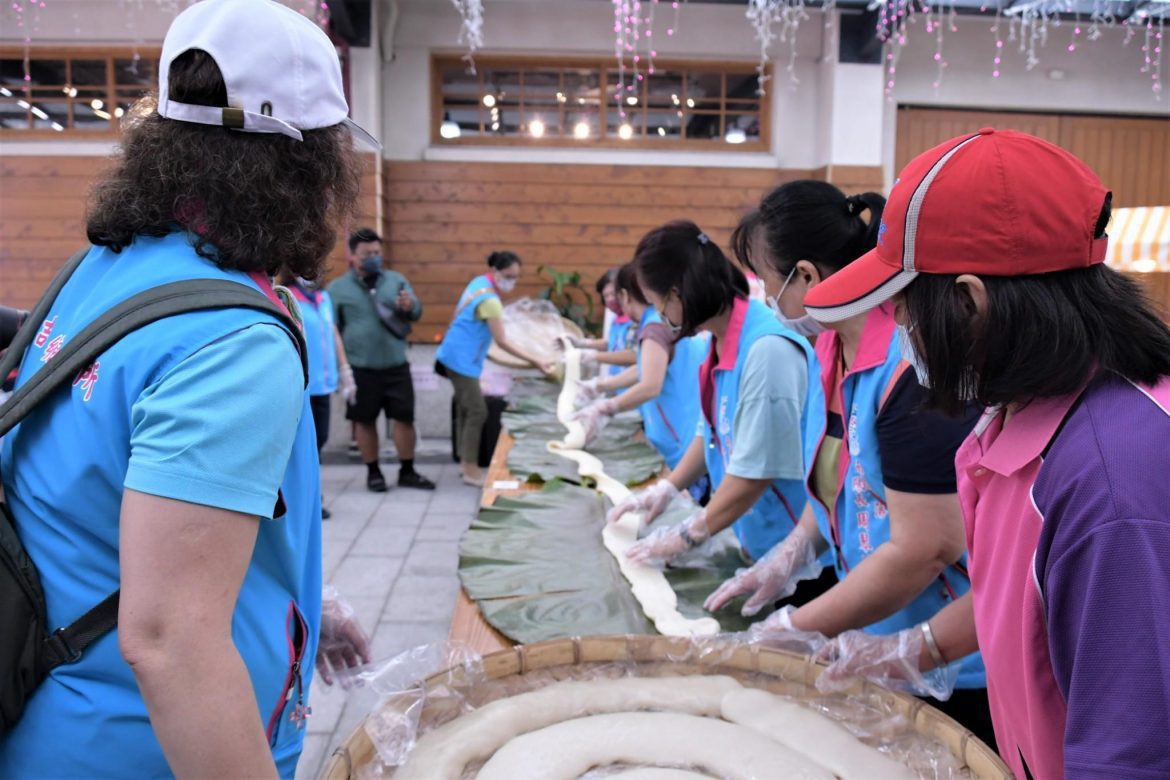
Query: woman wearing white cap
[880, 477]
[180, 471]
[993, 259]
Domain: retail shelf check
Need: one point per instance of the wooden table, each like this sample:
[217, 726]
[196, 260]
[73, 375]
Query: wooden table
[467, 624]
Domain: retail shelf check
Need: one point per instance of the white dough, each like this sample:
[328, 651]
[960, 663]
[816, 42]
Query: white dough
[819, 738]
[648, 583]
[444, 752]
[567, 750]
[656, 773]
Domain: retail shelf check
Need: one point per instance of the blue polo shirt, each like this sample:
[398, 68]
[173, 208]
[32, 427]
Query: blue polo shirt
[208, 408]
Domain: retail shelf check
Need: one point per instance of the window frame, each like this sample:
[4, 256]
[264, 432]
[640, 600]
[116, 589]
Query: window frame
[605, 65]
[108, 53]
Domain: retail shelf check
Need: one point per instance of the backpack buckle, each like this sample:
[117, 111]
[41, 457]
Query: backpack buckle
[63, 652]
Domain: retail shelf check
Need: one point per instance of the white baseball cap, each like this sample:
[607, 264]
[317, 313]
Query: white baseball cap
[281, 70]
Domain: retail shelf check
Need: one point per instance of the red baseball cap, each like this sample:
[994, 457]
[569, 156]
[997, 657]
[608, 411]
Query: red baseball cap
[994, 203]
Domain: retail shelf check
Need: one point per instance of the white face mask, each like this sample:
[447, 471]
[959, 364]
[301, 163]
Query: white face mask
[806, 325]
[911, 356]
[505, 284]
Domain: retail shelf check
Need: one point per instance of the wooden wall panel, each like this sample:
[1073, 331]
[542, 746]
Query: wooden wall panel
[443, 219]
[42, 218]
[1130, 154]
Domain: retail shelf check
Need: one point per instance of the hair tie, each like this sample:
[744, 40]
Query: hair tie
[851, 205]
[703, 239]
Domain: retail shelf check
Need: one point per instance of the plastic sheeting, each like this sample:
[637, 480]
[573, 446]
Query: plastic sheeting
[538, 569]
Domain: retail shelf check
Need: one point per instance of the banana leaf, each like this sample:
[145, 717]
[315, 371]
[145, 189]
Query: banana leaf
[536, 565]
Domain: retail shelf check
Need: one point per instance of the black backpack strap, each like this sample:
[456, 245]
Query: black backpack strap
[24, 336]
[65, 645]
[149, 306]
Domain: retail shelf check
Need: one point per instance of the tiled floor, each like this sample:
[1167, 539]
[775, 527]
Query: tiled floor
[393, 556]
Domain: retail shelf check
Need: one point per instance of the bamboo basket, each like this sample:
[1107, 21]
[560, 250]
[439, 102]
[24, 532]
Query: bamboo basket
[500, 357]
[793, 675]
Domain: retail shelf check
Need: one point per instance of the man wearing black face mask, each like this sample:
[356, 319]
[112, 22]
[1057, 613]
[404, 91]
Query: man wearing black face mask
[374, 307]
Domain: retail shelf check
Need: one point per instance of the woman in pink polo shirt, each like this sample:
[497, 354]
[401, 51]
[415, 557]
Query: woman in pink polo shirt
[992, 252]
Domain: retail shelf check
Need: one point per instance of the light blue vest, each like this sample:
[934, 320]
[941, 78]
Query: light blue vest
[88, 718]
[317, 320]
[671, 418]
[466, 342]
[860, 521]
[778, 510]
[621, 337]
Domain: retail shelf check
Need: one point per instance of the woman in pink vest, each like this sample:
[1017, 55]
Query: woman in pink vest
[992, 248]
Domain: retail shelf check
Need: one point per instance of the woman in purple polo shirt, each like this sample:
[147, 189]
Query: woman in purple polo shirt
[992, 250]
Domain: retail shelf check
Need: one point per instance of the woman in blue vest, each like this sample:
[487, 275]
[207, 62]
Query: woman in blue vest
[616, 350]
[881, 478]
[328, 367]
[662, 385]
[753, 393]
[479, 318]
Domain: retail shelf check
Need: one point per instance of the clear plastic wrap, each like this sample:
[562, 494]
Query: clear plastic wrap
[408, 709]
[534, 326]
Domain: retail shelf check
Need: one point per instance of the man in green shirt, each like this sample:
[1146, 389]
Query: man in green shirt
[378, 356]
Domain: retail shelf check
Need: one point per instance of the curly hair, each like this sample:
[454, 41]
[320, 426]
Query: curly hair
[252, 202]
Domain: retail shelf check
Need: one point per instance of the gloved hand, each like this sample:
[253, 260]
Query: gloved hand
[649, 501]
[666, 544]
[594, 417]
[580, 342]
[588, 390]
[348, 385]
[772, 578]
[890, 661]
[588, 358]
[778, 632]
[343, 644]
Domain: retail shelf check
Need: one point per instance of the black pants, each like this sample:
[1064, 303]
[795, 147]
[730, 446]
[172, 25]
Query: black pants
[969, 706]
[320, 406]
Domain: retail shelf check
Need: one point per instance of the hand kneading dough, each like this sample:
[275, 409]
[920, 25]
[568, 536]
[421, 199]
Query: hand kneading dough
[817, 737]
[648, 583]
[443, 753]
[569, 749]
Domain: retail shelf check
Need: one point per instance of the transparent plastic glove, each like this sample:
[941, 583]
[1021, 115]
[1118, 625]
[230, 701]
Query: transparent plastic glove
[665, 544]
[588, 358]
[588, 390]
[650, 502]
[348, 385]
[343, 644]
[778, 633]
[595, 416]
[580, 342]
[772, 578]
[890, 661]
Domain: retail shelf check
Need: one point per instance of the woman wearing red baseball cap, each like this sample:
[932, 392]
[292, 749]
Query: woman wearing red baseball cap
[991, 251]
[882, 510]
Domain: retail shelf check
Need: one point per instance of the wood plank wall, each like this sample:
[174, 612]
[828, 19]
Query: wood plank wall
[42, 218]
[443, 219]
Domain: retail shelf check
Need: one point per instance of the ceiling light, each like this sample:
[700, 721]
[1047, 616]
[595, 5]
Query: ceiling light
[735, 135]
[581, 130]
[633, 101]
[495, 125]
[561, 97]
[119, 112]
[675, 99]
[22, 103]
[5, 91]
[662, 131]
[536, 127]
[489, 100]
[38, 113]
[97, 105]
[626, 132]
[1145, 265]
[580, 101]
[101, 114]
[449, 129]
[690, 102]
[58, 127]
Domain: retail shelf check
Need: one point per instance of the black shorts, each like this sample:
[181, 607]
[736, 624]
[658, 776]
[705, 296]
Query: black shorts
[388, 390]
[320, 406]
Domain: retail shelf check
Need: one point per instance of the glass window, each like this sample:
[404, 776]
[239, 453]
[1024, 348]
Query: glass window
[574, 102]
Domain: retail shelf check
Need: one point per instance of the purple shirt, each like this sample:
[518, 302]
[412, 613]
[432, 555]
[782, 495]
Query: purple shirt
[1068, 523]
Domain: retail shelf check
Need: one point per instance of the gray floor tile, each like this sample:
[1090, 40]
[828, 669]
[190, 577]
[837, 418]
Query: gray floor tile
[389, 540]
[371, 577]
[444, 526]
[422, 598]
[437, 558]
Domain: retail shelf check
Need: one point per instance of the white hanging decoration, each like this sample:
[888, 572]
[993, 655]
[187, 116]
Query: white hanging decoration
[764, 15]
[471, 31]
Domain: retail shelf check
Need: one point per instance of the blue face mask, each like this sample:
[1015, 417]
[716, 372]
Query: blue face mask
[372, 265]
[911, 356]
[805, 326]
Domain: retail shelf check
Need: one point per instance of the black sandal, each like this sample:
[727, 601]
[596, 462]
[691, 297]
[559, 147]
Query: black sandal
[376, 483]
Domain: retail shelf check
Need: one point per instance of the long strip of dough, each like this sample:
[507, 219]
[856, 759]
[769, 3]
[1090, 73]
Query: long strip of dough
[658, 599]
[569, 749]
[443, 753]
[812, 734]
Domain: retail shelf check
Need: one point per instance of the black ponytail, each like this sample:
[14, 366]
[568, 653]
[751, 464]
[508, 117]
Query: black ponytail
[809, 220]
[503, 259]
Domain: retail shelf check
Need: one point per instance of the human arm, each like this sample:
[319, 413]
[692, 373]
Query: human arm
[627, 378]
[500, 335]
[407, 302]
[655, 362]
[188, 528]
[344, 370]
[654, 500]
[624, 357]
[182, 566]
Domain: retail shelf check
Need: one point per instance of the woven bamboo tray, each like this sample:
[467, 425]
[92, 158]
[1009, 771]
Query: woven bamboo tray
[792, 675]
[500, 357]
